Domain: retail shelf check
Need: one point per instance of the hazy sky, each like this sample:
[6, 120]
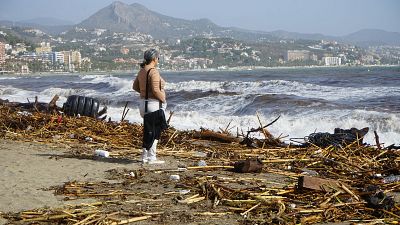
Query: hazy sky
[331, 17]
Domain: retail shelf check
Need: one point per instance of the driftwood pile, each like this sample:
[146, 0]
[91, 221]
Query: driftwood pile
[295, 185]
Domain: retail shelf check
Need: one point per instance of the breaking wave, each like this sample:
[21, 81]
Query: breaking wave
[304, 104]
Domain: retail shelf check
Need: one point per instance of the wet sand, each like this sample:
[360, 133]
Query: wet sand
[26, 169]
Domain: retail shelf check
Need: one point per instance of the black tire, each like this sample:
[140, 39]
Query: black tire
[95, 108]
[81, 105]
[88, 107]
[67, 106]
[74, 105]
[84, 106]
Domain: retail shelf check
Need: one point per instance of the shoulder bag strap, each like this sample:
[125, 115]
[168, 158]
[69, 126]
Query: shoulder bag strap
[147, 88]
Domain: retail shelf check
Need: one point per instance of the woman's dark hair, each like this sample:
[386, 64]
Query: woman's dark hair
[148, 56]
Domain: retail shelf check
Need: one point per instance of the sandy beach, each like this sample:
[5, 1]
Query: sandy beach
[27, 169]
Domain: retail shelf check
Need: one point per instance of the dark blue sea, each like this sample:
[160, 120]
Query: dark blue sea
[308, 100]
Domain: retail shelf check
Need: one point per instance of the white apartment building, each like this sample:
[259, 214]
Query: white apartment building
[58, 57]
[332, 61]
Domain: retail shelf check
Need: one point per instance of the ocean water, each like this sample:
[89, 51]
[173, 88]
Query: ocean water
[308, 100]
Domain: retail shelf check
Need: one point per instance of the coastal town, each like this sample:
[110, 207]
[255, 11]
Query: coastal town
[27, 50]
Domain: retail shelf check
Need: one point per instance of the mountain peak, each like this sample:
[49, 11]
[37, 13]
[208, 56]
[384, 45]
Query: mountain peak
[139, 6]
[118, 6]
[123, 18]
[118, 3]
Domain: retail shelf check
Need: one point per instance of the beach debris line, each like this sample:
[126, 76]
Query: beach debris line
[269, 138]
[340, 137]
[224, 136]
[74, 106]
[248, 199]
[35, 106]
[336, 188]
[216, 136]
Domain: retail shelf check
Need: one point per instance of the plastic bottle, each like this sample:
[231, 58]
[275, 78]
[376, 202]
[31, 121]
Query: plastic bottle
[200, 154]
[201, 163]
[89, 139]
[102, 153]
[391, 179]
[184, 192]
[174, 177]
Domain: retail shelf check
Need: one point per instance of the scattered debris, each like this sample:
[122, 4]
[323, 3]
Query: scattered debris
[264, 192]
[377, 199]
[340, 137]
[248, 166]
[319, 184]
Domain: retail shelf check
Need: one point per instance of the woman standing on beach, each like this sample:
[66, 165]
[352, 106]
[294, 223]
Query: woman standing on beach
[150, 85]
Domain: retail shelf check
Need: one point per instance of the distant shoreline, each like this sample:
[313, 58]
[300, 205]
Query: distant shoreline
[244, 68]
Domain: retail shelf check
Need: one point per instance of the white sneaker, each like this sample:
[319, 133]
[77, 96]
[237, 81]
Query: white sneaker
[156, 162]
[144, 158]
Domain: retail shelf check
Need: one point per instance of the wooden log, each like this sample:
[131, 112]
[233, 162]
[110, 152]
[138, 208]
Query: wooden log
[262, 127]
[378, 145]
[85, 220]
[208, 167]
[217, 191]
[286, 160]
[330, 198]
[52, 103]
[104, 111]
[306, 211]
[310, 219]
[192, 199]
[264, 130]
[124, 112]
[349, 191]
[249, 210]
[170, 116]
[56, 217]
[208, 134]
[239, 200]
[131, 220]
[320, 184]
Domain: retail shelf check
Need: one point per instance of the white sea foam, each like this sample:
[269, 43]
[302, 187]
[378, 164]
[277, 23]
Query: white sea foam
[285, 87]
[15, 94]
[196, 86]
[66, 92]
[92, 76]
[124, 85]
[121, 85]
[216, 111]
[9, 78]
[386, 124]
[20, 95]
